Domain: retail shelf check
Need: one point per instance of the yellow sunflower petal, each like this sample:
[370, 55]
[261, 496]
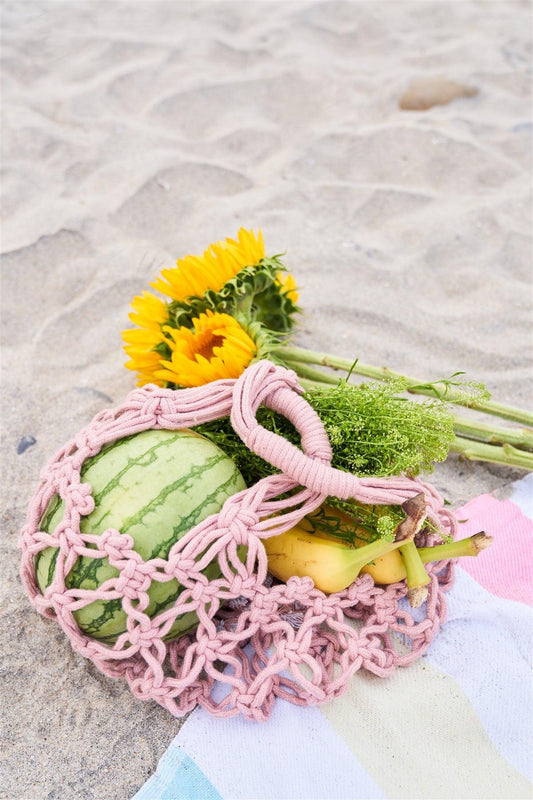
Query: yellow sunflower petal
[141, 337]
[194, 275]
[149, 311]
[146, 365]
[288, 284]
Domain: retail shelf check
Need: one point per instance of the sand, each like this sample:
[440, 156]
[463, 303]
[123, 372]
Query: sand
[135, 133]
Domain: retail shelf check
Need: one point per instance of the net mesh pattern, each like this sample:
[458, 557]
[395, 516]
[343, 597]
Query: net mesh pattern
[255, 639]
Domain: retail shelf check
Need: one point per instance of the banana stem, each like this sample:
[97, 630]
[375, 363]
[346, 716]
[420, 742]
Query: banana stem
[361, 556]
[417, 577]
[299, 356]
[471, 546]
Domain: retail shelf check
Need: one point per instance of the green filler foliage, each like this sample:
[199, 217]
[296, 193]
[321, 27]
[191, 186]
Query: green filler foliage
[372, 431]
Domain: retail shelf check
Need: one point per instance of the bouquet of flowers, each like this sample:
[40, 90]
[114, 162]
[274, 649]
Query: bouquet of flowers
[233, 305]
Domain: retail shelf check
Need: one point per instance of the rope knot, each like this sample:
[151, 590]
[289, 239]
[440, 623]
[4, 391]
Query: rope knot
[235, 518]
[207, 647]
[203, 591]
[88, 443]
[236, 585]
[151, 402]
[68, 539]
[249, 706]
[141, 636]
[79, 496]
[115, 545]
[321, 606]
[59, 472]
[162, 406]
[385, 608]
[132, 581]
[289, 649]
[297, 588]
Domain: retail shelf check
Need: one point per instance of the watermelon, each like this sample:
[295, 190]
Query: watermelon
[154, 486]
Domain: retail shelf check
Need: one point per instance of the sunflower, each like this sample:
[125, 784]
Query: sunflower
[143, 344]
[194, 275]
[216, 347]
[234, 278]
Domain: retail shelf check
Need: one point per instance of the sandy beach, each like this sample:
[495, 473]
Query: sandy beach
[135, 133]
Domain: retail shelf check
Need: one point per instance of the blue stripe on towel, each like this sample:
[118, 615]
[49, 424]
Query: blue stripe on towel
[177, 778]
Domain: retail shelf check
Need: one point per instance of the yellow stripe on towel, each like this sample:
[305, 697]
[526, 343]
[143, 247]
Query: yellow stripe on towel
[418, 736]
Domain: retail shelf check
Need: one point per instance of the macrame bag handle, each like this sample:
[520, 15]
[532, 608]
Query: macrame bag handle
[277, 388]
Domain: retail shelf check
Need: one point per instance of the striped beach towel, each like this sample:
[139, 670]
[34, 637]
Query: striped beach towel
[456, 724]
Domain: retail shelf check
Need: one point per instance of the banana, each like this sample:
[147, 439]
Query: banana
[308, 550]
[386, 569]
[332, 565]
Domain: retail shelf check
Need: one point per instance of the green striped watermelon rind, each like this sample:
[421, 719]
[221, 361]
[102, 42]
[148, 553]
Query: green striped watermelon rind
[105, 620]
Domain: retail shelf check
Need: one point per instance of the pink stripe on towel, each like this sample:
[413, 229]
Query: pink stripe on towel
[506, 568]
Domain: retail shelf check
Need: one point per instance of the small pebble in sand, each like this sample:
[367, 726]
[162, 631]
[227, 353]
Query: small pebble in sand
[423, 93]
[25, 442]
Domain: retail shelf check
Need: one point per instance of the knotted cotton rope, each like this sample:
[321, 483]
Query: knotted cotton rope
[256, 640]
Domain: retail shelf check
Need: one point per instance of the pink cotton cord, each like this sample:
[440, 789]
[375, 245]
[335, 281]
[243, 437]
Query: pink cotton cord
[304, 648]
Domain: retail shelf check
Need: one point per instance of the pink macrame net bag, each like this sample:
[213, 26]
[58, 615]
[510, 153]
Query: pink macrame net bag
[255, 640]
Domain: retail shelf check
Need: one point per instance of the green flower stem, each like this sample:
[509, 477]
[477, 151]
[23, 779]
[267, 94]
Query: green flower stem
[417, 577]
[505, 454]
[474, 450]
[299, 356]
[519, 437]
[471, 546]
[314, 375]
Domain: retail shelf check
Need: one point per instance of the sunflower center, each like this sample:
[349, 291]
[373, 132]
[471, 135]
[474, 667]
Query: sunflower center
[207, 344]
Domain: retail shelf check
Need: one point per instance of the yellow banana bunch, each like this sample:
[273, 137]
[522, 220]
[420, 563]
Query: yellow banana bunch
[309, 550]
[332, 565]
